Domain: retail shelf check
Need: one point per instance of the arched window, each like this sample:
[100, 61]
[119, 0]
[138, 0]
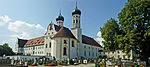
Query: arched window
[76, 21]
[65, 51]
[73, 21]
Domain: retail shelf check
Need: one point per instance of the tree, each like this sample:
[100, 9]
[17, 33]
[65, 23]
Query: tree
[5, 49]
[134, 20]
[133, 30]
[109, 33]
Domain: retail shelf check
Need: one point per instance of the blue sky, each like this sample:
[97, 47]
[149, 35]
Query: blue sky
[29, 18]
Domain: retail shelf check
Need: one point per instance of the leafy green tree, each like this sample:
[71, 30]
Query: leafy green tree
[133, 30]
[134, 20]
[5, 49]
[109, 33]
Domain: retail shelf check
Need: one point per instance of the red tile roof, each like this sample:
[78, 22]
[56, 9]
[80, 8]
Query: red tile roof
[35, 41]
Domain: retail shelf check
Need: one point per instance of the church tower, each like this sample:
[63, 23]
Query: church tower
[60, 20]
[76, 30]
[76, 13]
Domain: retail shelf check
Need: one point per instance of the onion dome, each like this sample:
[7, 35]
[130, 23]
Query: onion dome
[76, 10]
[60, 17]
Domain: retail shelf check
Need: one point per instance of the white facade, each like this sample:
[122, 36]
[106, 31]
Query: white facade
[34, 50]
[59, 44]
[90, 51]
[48, 41]
[68, 44]
[119, 54]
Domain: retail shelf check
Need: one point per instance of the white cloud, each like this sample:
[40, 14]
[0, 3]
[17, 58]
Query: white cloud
[20, 29]
[3, 41]
[4, 20]
[99, 34]
[99, 39]
[25, 30]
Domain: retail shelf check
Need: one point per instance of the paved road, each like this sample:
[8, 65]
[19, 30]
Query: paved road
[81, 65]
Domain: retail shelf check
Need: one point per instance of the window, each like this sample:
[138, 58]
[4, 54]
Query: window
[100, 53]
[76, 21]
[89, 53]
[84, 46]
[93, 53]
[47, 54]
[84, 53]
[73, 21]
[65, 42]
[52, 32]
[33, 52]
[65, 51]
[51, 27]
[96, 53]
[46, 46]
[89, 47]
[50, 45]
[72, 43]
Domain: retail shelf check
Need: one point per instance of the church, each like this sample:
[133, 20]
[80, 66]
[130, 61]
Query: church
[61, 42]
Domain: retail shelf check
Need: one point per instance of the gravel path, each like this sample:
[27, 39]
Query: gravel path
[80, 65]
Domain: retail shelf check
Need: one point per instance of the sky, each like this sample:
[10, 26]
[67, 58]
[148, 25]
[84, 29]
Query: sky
[29, 19]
